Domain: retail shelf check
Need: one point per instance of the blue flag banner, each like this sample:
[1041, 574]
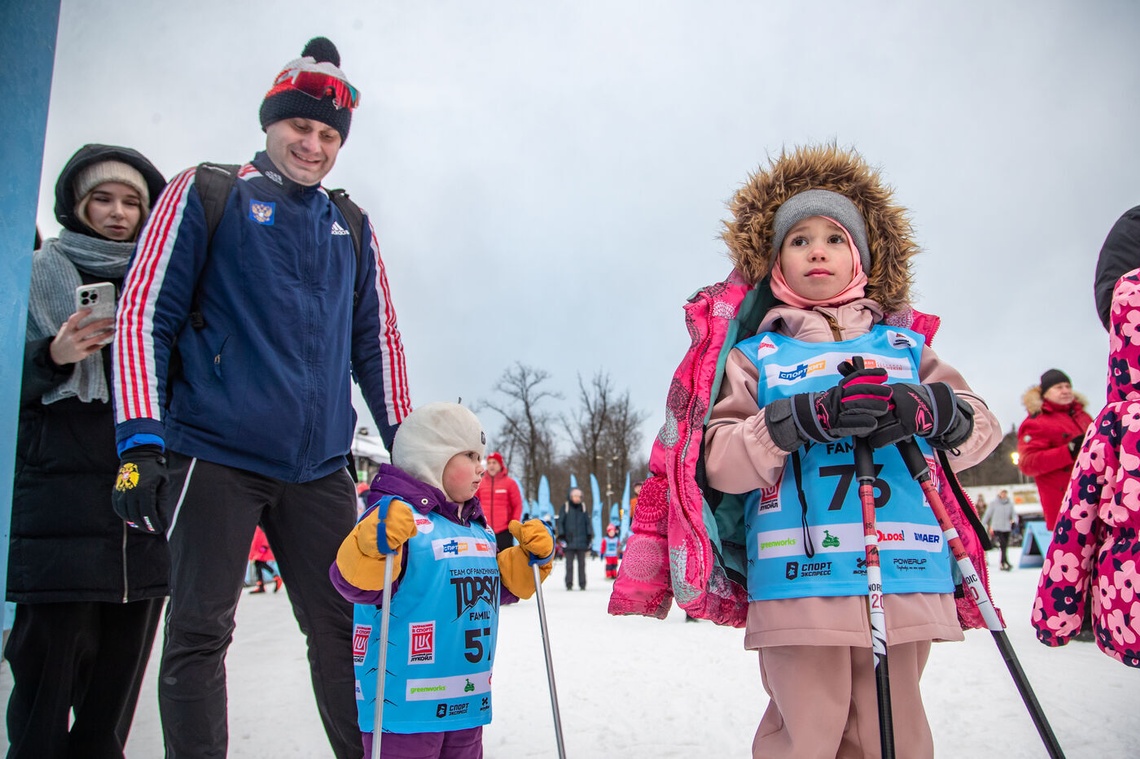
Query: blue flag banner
[623, 525]
[596, 545]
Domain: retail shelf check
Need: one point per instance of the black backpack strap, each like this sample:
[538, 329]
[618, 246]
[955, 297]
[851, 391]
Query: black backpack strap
[355, 218]
[213, 182]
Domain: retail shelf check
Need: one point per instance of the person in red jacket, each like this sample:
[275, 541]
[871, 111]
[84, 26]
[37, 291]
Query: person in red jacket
[261, 554]
[500, 498]
[1050, 438]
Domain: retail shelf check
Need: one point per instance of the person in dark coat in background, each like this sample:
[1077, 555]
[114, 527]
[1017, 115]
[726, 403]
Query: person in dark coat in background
[576, 534]
[89, 592]
[1050, 438]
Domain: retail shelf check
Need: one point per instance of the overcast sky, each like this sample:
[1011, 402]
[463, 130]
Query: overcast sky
[549, 179]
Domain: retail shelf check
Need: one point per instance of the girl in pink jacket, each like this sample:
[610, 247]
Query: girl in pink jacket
[785, 561]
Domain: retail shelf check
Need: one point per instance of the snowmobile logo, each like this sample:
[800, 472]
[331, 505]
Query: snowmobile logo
[262, 211]
[471, 590]
[829, 540]
[468, 687]
[421, 643]
[360, 635]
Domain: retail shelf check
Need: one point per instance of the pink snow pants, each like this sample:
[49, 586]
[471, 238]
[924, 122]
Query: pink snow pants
[824, 704]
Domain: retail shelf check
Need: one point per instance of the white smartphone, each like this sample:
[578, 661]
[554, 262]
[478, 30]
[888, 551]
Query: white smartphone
[100, 298]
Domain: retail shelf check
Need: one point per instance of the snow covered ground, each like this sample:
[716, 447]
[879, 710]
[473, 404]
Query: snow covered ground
[637, 687]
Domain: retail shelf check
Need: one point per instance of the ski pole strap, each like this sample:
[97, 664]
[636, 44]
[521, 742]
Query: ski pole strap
[382, 525]
[535, 561]
[913, 458]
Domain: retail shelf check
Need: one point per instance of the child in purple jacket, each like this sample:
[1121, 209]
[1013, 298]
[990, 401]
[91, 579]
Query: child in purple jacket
[446, 593]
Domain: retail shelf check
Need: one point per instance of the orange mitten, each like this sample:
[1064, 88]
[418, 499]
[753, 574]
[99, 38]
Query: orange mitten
[536, 546]
[360, 558]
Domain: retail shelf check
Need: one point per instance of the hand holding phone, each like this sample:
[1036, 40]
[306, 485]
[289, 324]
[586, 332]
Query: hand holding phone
[79, 337]
[97, 296]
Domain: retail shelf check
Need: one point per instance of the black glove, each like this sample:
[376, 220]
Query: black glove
[139, 487]
[931, 411]
[1075, 447]
[850, 409]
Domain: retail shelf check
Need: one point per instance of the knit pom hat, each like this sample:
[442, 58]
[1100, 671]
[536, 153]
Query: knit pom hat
[822, 203]
[1053, 377]
[431, 435]
[109, 171]
[496, 456]
[312, 87]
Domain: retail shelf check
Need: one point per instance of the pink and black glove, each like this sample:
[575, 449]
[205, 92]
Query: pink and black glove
[932, 411]
[853, 408]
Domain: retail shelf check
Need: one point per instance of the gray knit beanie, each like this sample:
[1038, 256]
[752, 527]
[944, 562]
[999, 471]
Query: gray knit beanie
[822, 203]
[431, 435]
[110, 171]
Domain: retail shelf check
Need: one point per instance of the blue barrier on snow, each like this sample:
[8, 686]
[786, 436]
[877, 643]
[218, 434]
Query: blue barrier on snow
[1035, 544]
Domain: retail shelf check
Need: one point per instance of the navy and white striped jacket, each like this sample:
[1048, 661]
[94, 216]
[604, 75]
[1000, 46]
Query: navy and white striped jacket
[265, 385]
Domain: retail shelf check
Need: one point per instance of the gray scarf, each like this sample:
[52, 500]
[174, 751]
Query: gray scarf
[51, 301]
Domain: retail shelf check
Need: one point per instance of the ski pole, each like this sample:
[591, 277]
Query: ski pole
[865, 474]
[385, 617]
[535, 563]
[920, 471]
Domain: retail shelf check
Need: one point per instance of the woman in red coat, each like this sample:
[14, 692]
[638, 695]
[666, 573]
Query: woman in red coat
[1050, 438]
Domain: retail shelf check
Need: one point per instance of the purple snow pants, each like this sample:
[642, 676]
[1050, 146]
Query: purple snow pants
[457, 744]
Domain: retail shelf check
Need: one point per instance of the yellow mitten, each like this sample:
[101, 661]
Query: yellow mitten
[534, 537]
[515, 562]
[360, 559]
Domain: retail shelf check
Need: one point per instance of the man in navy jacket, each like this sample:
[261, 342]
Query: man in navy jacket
[233, 362]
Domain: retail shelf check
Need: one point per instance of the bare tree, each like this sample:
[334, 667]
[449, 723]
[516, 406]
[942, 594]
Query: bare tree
[587, 427]
[527, 430]
[604, 433]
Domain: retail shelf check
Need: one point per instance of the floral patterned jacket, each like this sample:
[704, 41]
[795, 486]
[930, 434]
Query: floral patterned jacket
[1095, 555]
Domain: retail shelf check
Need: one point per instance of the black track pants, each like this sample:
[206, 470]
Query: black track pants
[214, 515]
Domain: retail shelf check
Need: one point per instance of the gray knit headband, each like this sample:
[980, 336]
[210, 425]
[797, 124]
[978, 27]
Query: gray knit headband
[822, 203]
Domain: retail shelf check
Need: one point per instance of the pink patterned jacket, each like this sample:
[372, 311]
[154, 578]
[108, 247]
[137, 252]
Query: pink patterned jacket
[1095, 554]
[675, 549]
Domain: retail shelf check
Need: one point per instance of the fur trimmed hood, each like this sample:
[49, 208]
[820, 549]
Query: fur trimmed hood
[1032, 400]
[824, 167]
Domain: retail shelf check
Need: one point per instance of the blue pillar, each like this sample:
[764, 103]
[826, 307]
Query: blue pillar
[27, 39]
